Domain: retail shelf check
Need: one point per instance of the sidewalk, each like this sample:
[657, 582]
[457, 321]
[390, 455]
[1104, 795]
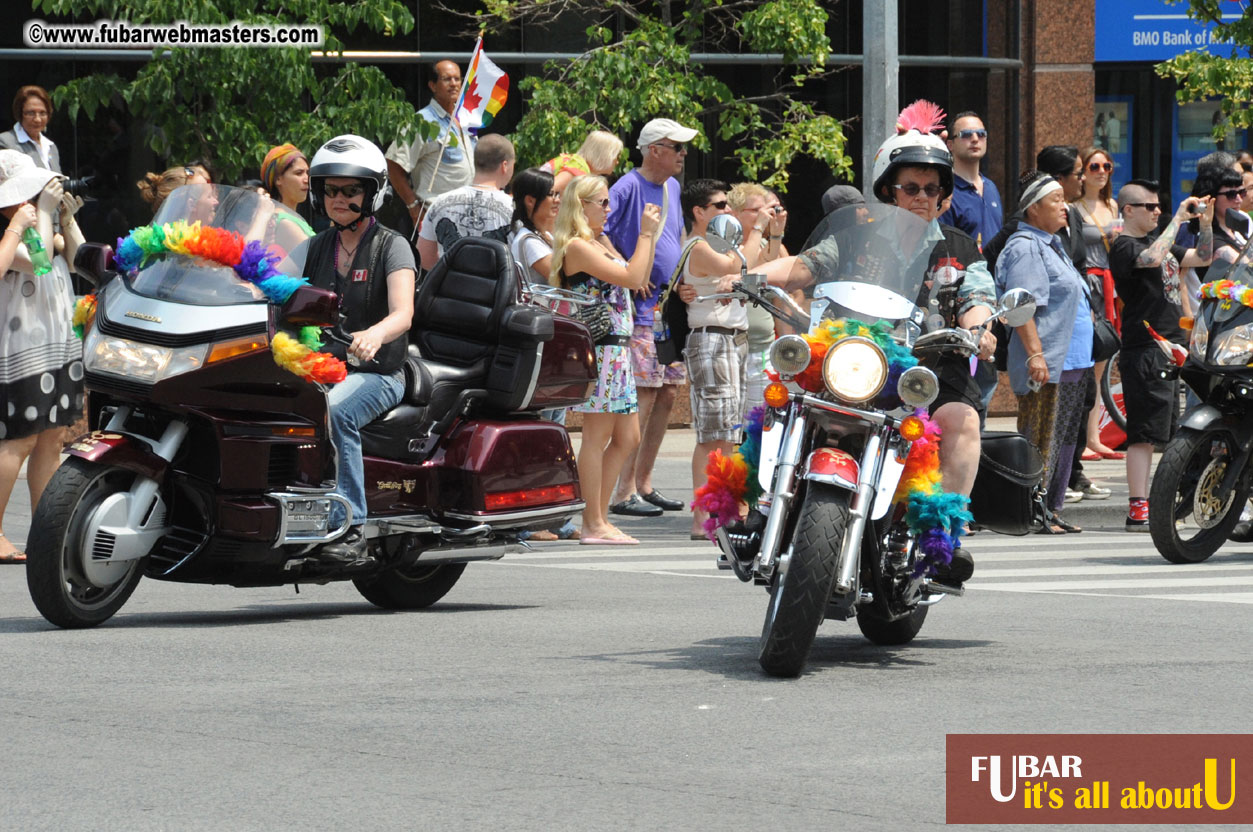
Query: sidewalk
[673, 476]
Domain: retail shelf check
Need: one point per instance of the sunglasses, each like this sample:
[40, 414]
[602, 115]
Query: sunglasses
[913, 189]
[677, 147]
[970, 134]
[603, 203]
[554, 194]
[1105, 166]
[1147, 206]
[721, 205]
[1234, 195]
[349, 191]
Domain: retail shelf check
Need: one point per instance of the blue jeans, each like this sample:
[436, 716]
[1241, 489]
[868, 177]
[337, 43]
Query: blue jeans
[355, 402]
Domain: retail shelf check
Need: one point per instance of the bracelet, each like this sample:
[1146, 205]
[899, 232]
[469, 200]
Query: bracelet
[416, 202]
[1037, 355]
[646, 233]
[18, 233]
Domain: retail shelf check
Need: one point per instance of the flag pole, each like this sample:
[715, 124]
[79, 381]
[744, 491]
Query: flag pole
[461, 97]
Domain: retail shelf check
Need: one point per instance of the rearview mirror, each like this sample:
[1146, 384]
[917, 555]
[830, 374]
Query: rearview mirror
[1016, 308]
[725, 233]
[310, 306]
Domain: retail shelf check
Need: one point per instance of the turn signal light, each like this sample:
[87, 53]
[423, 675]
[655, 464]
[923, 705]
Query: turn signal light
[1187, 323]
[777, 394]
[912, 428]
[237, 347]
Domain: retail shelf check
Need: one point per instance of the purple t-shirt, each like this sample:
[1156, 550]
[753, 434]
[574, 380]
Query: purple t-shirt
[627, 199]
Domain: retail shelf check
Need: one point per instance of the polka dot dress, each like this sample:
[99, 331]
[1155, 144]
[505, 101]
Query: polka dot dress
[41, 360]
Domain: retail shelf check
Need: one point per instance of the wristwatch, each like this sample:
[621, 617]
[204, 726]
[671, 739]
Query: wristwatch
[416, 202]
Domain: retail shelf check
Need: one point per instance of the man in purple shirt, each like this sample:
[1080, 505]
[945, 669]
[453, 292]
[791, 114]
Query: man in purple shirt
[663, 144]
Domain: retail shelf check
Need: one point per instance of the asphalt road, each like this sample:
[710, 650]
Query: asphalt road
[582, 688]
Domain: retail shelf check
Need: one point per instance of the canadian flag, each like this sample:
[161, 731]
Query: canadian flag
[483, 92]
[1173, 351]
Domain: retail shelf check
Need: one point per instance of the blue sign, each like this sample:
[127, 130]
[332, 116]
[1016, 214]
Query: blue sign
[1192, 127]
[1154, 30]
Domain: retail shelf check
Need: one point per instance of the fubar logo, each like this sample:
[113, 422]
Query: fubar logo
[1099, 778]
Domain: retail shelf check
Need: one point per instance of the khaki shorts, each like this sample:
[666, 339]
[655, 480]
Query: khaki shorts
[717, 366]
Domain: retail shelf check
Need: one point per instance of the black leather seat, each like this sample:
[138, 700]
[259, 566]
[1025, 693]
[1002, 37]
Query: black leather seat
[457, 330]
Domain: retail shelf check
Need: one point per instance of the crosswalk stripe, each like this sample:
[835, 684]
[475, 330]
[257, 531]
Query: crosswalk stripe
[1133, 583]
[1107, 569]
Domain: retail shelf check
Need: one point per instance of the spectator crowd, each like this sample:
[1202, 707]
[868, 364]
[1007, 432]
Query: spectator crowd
[1100, 264]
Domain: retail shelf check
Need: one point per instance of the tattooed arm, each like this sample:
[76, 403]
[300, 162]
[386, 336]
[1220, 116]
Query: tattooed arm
[1204, 253]
[1154, 254]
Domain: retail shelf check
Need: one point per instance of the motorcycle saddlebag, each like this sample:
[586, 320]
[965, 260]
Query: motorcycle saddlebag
[1010, 470]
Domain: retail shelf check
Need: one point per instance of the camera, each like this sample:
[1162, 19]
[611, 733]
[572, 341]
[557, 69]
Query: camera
[778, 209]
[80, 185]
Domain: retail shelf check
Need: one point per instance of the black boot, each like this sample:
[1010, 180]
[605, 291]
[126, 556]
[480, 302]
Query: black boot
[347, 550]
[957, 571]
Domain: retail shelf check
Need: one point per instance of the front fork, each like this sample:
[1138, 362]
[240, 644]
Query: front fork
[790, 455]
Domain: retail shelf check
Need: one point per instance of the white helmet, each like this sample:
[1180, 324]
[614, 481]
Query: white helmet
[911, 149]
[351, 157]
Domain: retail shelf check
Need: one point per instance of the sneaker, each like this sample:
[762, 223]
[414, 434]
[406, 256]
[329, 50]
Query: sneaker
[1075, 496]
[1092, 491]
[1138, 516]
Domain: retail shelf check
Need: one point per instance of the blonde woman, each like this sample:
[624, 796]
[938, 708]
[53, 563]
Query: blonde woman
[584, 259]
[155, 187]
[598, 154]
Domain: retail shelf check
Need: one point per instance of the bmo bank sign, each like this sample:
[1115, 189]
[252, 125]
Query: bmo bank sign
[1154, 30]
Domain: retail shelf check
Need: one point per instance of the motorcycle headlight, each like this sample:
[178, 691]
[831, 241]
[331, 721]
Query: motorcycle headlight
[855, 369]
[1235, 347]
[918, 387]
[789, 355]
[1199, 342]
[139, 361]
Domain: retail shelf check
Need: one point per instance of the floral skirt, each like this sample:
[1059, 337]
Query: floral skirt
[615, 383]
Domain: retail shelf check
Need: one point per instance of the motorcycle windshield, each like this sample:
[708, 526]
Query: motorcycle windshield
[870, 262]
[205, 282]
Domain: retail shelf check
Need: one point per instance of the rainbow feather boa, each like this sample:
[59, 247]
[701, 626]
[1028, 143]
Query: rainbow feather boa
[254, 263]
[1228, 290]
[936, 517]
[84, 314]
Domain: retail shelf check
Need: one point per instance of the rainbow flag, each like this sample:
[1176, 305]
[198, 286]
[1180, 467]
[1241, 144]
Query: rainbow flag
[483, 92]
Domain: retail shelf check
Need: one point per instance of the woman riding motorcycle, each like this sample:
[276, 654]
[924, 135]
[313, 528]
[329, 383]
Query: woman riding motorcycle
[914, 171]
[372, 270]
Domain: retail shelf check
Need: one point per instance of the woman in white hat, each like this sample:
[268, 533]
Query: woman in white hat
[41, 368]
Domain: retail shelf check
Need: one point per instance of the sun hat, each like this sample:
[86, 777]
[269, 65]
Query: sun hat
[20, 179]
[664, 128]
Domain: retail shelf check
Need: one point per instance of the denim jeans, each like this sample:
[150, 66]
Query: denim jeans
[355, 402]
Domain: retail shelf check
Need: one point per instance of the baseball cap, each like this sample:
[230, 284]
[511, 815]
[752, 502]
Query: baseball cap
[837, 196]
[664, 128]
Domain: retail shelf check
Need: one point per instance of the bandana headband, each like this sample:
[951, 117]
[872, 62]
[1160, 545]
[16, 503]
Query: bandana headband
[1037, 190]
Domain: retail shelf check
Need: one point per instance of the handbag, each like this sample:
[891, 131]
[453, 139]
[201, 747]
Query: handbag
[1105, 340]
[595, 317]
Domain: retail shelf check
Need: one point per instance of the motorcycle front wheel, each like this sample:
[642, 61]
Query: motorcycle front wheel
[68, 587]
[802, 585]
[414, 588]
[1187, 518]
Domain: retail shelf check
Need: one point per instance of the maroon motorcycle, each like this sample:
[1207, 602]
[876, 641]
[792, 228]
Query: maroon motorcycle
[207, 462]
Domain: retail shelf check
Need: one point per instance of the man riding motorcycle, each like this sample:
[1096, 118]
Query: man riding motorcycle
[914, 171]
[372, 270]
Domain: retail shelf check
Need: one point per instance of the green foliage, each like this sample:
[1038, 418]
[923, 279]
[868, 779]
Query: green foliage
[230, 105]
[1202, 76]
[618, 83]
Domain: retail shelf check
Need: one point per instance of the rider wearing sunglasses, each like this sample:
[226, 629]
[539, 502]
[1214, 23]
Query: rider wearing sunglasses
[371, 269]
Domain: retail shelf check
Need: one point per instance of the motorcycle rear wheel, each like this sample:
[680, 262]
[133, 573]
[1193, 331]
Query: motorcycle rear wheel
[891, 633]
[414, 588]
[57, 562]
[802, 585]
[1183, 487]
